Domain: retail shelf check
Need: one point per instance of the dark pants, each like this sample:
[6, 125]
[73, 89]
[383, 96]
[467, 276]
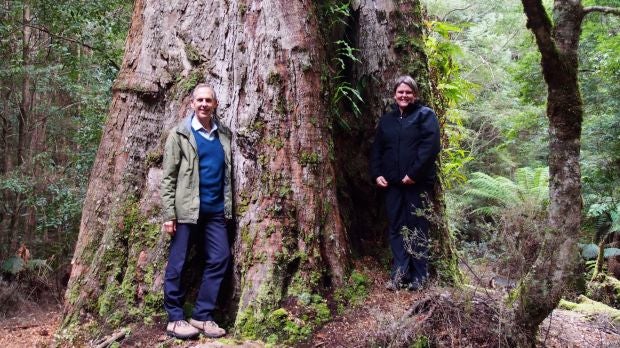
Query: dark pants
[406, 207]
[210, 235]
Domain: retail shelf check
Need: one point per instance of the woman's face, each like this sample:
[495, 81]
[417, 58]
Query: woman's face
[404, 96]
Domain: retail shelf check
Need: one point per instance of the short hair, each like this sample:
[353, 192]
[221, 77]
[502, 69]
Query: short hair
[409, 81]
[203, 85]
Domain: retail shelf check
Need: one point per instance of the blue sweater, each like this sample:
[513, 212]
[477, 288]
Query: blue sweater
[211, 173]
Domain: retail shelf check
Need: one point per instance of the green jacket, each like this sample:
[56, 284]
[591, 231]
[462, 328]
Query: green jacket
[180, 187]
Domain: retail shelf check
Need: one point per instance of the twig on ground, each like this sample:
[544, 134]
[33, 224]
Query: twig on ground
[113, 338]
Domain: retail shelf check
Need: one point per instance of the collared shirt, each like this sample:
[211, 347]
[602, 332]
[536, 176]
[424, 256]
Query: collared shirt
[197, 126]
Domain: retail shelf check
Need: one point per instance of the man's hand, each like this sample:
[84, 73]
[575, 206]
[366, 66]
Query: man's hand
[381, 182]
[407, 180]
[170, 227]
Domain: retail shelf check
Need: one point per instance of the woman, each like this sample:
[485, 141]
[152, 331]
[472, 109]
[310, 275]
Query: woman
[403, 164]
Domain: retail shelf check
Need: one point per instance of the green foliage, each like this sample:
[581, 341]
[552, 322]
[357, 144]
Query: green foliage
[337, 12]
[442, 51]
[13, 265]
[75, 51]
[342, 94]
[309, 159]
[16, 265]
[421, 342]
[589, 307]
[499, 130]
[354, 291]
[606, 215]
[529, 188]
[282, 325]
[453, 89]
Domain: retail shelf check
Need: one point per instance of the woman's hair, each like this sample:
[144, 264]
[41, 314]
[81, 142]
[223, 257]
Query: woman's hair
[409, 81]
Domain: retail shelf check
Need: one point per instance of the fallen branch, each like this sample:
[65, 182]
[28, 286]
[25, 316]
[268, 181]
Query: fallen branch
[111, 339]
[21, 327]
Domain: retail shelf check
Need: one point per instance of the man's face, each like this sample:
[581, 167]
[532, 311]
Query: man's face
[404, 96]
[203, 103]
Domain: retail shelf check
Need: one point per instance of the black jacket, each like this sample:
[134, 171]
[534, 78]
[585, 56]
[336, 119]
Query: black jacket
[406, 146]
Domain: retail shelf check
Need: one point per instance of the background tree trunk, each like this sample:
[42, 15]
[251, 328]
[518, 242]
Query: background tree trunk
[269, 64]
[556, 266]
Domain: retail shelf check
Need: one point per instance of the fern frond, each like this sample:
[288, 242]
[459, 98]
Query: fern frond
[530, 188]
[499, 189]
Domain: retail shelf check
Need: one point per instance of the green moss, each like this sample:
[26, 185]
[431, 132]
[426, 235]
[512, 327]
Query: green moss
[271, 229]
[591, 308]
[262, 160]
[243, 204]
[247, 325]
[314, 121]
[404, 41]
[246, 237]
[321, 311]
[187, 84]
[153, 158]
[274, 79]
[448, 271]
[116, 318]
[257, 126]
[105, 301]
[421, 342]
[192, 53]
[153, 304]
[118, 300]
[285, 191]
[230, 342]
[353, 292]
[281, 107]
[243, 8]
[275, 142]
[307, 158]
[73, 294]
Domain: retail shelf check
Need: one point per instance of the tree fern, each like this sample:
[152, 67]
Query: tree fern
[492, 194]
[606, 216]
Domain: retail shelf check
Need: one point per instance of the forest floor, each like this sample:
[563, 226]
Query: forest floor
[365, 325]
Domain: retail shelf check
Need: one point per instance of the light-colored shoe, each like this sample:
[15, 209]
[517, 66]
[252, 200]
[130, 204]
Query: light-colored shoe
[208, 327]
[181, 329]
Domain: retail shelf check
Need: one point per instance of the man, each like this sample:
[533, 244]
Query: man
[196, 196]
[402, 163]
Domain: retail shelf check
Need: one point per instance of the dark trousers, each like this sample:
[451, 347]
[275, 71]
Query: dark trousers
[406, 207]
[210, 235]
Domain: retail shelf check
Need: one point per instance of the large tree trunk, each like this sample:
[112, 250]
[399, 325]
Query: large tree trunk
[269, 62]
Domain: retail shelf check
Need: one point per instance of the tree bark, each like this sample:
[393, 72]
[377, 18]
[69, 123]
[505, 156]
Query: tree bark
[269, 64]
[556, 266]
[25, 105]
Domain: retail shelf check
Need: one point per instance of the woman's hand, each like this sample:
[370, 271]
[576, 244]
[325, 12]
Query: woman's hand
[407, 180]
[381, 182]
[170, 227]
